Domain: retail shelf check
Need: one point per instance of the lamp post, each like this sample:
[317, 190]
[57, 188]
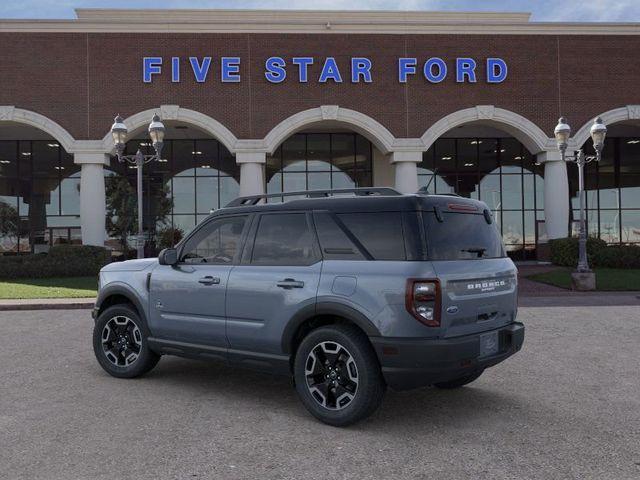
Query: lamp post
[119, 133]
[562, 133]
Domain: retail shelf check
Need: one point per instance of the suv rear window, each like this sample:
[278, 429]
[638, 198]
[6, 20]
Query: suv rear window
[462, 236]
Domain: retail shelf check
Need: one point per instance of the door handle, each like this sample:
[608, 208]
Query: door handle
[290, 283]
[209, 280]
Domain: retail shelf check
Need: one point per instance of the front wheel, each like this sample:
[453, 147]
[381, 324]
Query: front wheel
[120, 343]
[337, 375]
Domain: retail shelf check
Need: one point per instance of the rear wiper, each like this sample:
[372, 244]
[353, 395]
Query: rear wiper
[478, 250]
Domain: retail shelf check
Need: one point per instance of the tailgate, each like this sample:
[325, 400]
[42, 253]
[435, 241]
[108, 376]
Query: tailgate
[477, 295]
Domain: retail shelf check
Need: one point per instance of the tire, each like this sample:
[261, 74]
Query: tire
[459, 382]
[120, 343]
[348, 388]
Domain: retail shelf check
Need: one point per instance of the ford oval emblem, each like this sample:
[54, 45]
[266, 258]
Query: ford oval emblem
[452, 309]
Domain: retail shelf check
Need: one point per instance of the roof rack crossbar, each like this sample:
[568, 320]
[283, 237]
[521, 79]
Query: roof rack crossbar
[360, 192]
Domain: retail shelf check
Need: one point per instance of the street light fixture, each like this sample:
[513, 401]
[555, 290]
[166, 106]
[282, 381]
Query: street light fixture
[119, 133]
[562, 133]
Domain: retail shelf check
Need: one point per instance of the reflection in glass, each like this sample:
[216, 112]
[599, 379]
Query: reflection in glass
[39, 191]
[612, 186]
[314, 161]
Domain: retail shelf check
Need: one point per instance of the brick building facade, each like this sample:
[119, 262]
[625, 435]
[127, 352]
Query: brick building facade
[63, 81]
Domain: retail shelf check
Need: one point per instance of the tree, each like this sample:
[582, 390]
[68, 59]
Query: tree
[9, 221]
[122, 208]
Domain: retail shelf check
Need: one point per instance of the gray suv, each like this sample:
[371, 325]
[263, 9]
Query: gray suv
[347, 291]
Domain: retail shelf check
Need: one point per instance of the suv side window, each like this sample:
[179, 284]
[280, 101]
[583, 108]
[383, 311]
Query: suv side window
[284, 239]
[217, 243]
[335, 243]
[380, 233]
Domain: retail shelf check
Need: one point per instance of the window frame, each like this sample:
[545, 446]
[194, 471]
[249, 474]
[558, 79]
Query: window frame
[201, 231]
[248, 249]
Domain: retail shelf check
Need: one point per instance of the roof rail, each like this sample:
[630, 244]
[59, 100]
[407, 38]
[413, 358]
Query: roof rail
[359, 192]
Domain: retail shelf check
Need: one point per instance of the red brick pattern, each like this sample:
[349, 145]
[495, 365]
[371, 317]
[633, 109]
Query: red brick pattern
[82, 80]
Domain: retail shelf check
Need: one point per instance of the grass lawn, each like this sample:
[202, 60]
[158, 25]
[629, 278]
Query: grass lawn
[71, 287]
[607, 279]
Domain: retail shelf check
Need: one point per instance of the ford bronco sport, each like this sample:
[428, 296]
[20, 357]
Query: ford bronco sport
[347, 294]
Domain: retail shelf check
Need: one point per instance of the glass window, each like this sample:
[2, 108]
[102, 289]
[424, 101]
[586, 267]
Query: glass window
[488, 155]
[318, 152]
[206, 194]
[631, 226]
[512, 228]
[445, 241]
[511, 155]
[294, 153]
[319, 161]
[184, 152]
[467, 154]
[284, 239]
[512, 192]
[610, 226]
[379, 233]
[183, 195]
[8, 159]
[218, 242]
[334, 241]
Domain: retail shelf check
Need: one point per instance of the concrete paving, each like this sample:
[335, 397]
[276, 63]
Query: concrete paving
[567, 406]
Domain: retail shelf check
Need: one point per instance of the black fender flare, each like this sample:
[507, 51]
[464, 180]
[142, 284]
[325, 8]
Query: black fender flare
[124, 290]
[326, 308]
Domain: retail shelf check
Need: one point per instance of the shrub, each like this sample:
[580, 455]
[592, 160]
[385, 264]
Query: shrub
[564, 251]
[61, 261]
[618, 256]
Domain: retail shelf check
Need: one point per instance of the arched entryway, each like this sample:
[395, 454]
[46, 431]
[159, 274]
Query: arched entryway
[326, 148]
[197, 174]
[612, 186]
[480, 159]
[39, 184]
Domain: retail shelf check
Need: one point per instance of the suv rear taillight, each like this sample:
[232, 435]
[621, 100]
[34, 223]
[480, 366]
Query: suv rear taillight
[422, 299]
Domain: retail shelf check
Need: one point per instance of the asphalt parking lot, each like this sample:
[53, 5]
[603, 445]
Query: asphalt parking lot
[567, 406]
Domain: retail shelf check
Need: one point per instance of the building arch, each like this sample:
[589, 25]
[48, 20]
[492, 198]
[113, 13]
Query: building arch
[373, 130]
[10, 113]
[629, 112]
[527, 132]
[178, 114]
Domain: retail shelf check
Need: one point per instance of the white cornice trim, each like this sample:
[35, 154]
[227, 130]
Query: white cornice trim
[303, 21]
[297, 16]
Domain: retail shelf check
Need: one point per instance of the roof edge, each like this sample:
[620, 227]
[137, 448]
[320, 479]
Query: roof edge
[286, 16]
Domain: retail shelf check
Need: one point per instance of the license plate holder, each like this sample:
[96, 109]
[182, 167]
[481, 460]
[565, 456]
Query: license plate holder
[489, 344]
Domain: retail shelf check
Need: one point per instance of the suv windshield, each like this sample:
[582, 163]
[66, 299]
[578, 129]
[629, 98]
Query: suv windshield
[461, 236]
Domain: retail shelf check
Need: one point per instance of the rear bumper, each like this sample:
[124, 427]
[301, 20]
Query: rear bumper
[412, 363]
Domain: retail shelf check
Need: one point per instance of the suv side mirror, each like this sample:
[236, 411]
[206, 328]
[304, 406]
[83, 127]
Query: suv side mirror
[168, 256]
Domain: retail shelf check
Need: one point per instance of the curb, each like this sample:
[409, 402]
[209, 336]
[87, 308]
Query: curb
[9, 305]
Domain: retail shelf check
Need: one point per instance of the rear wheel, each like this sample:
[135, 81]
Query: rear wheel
[120, 343]
[459, 382]
[337, 375]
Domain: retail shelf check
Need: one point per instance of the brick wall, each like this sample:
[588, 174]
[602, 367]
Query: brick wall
[82, 80]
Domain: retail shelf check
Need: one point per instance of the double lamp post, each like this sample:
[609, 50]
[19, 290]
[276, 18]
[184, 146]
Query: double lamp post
[583, 278]
[119, 133]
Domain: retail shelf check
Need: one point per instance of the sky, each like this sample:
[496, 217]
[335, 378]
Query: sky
[542, 10]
